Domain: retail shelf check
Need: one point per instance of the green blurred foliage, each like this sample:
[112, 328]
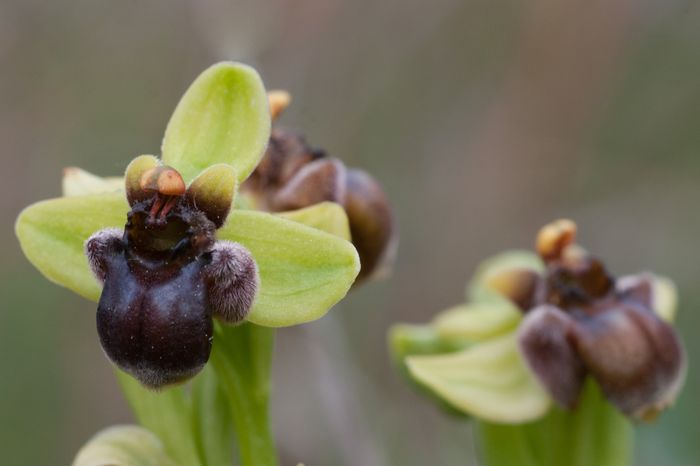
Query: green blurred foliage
[482, 119]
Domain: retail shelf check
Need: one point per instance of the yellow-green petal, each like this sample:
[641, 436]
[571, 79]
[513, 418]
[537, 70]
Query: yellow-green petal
[326, 216]
[488, 380]
[78, 182]
[477, 322]
[303, 271]
[123, 446]
[222, 118]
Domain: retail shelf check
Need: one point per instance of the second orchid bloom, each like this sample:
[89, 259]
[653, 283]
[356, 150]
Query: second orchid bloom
[536, 327]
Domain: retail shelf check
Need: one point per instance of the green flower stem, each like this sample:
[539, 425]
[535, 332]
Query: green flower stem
[242, 359]
[168, 414]
[593, 434]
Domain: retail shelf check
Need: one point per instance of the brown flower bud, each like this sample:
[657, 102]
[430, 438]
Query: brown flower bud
[292, 176]
[371, 224]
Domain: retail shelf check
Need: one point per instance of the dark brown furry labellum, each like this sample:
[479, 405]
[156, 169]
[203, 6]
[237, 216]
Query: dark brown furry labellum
[166, 276]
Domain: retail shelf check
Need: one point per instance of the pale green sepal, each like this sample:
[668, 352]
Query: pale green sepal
[303, 271]
[478, 321]
[477, 290]
[488, 380]
[326, 216]
[123, 446]
[52, 234]
[665, 297]
[78, 182]
[412, 340]
[222, 118]
[409, 340]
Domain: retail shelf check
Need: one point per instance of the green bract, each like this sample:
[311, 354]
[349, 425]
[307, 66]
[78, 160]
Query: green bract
[123, 446]
[218, 133]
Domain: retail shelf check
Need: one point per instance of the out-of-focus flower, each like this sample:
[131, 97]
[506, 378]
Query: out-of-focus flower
[293, 175]
[536, 327]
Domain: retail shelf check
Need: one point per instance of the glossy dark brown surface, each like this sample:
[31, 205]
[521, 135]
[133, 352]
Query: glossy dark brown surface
[165, 277]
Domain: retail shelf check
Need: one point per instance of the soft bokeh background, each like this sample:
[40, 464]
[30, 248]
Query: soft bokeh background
[483, 119]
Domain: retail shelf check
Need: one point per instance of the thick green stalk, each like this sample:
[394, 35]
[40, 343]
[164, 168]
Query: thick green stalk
[242, 358]
[595, 433]
[168, 414]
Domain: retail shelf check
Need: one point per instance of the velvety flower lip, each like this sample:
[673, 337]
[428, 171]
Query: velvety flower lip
[580, 320]
[293, 175]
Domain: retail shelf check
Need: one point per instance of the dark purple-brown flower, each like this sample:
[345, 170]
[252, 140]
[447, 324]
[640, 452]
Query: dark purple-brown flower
[581, 321]
[166, 275]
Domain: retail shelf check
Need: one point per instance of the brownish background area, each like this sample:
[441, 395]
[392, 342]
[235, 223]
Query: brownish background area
[483, 119]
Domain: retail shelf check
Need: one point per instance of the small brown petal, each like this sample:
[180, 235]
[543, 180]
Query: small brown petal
[636, 358]
[371, 225]
[544, 338]
[518, 284]
[134, 172]
[318, 181]
[212, 192]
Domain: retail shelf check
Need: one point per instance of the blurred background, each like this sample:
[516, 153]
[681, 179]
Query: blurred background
[483, 120]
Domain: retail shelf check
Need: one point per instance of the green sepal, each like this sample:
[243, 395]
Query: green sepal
[325, 216]
[477, 322]
[123, 446]
[303, 271]
[409, 340]
[488, 380]
[78, 182]
[222, 118]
